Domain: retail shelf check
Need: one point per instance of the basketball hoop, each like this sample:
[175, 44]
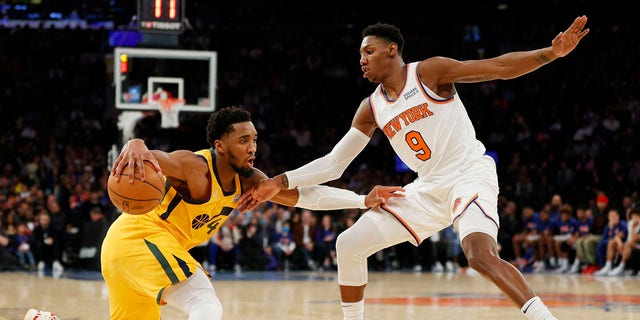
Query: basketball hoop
[169, 110]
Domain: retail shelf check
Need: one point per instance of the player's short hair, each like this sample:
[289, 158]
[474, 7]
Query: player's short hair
[222, 120]
[385, 31]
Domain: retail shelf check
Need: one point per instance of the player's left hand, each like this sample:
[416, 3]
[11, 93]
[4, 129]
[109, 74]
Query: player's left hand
[381, 194]
[566, 41]
[247, 202]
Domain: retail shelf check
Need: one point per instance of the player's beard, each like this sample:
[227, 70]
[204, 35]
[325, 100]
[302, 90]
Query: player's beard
[243, 172]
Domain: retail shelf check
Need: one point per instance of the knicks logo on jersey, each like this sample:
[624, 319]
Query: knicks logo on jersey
[406, 118]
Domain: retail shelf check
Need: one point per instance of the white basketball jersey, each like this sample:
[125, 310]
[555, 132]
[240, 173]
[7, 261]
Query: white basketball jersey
[432, 135]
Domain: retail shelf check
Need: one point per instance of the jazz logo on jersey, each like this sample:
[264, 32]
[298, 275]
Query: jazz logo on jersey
[408, 117]
[200, 220]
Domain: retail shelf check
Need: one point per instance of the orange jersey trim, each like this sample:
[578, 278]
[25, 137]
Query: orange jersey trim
[424, 92]
[473, 200]
[402, 222]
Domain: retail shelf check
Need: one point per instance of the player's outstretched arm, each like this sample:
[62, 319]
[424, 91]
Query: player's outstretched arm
[438, 71]
[326, 168]
[320, 197]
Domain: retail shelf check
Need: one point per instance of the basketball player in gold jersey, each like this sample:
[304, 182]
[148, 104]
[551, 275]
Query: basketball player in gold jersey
[145, 258]
[418, 109]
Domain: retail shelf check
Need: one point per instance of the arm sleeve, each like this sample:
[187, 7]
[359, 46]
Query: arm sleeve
[328, 198]
[332, 165]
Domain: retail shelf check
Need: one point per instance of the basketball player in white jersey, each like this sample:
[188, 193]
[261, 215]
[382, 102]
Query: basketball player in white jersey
[417, 107]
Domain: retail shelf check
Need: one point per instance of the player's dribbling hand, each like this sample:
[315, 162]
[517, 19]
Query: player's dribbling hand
[134, 153]
[381, 194]
[566, 41]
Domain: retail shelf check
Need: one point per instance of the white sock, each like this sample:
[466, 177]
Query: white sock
[563, 262]
[534, 309]
[353, 310]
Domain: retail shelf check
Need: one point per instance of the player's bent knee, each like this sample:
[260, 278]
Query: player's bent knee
[206, 309]
[345, 244]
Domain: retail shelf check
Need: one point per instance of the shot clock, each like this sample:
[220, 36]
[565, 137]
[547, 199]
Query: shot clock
[164, 16]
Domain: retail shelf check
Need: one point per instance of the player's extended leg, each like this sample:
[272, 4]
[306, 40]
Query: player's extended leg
[353, 247]
[482, 254]
[479, 231]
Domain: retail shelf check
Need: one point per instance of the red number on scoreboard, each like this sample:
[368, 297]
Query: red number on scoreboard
[157, 8]
[172, 9]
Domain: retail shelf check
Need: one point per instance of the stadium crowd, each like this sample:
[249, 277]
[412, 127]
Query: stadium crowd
[563, 139]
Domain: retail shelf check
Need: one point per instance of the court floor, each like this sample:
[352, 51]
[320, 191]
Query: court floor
[314, 296]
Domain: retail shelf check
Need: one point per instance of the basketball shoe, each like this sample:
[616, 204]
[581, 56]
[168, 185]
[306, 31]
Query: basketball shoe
[34, 314]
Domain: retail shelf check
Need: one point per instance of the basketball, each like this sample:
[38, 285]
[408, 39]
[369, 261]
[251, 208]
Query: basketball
[140, 196]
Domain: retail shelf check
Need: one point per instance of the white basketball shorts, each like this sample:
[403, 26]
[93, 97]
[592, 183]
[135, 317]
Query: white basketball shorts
[467, 199]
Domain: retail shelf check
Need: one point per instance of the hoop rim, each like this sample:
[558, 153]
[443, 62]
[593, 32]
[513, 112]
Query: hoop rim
[168, 104]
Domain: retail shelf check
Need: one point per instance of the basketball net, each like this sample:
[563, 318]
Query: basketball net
[169, 110]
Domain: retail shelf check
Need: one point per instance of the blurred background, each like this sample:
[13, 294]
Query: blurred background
[566, 130]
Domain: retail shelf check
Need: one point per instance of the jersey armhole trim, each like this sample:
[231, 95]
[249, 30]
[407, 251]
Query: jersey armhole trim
[425, 91]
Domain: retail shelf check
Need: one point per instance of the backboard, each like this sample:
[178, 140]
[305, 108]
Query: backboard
[182, 74]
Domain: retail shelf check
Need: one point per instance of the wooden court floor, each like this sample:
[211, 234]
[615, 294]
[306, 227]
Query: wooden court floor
[314, 296]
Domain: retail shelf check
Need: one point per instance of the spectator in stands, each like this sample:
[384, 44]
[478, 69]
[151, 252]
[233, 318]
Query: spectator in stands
[223, 247]
[8, 261]
[47, 244]
[592, 242]
[563, 230]
[304, 234]
[449, 249]
[613, 239]
[527, 240]
[251, 254]
[510, 226]
[23, 247]
[554, 206]
[577, 241]
[546, 243]
[93, 232]
[10, 223]
[633, 240]
[58, 217]
[284, 248]
[326, 242]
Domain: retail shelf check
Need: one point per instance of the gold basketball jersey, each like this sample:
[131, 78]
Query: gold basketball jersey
[193, 223]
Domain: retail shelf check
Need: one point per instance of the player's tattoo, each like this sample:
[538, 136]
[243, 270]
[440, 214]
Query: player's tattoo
[284, 181]
[542, 59]
[475, 79]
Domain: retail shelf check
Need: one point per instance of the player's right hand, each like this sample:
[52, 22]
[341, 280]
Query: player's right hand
[381, 194]
[267, 188]
[264, 191]
[134, 154]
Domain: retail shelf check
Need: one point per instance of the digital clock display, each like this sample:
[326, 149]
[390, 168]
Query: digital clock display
[161, 15]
